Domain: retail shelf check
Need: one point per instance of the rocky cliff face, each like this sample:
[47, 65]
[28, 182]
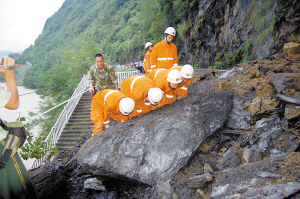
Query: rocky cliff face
[224, 33]
[235, 136]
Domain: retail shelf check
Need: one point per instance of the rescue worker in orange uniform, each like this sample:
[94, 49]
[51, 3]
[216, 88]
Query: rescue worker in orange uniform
[144, 93]
[149, 48]
[187, 72]
[110, 103]
[167, 81]
[164, 53]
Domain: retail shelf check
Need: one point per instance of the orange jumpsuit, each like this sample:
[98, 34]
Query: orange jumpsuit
[136, 87]
[163, 56]
[182, 89]
[147, 67]
[159, 76]
[105, 105]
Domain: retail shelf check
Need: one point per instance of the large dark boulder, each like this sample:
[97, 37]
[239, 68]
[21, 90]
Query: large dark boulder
[155, 146]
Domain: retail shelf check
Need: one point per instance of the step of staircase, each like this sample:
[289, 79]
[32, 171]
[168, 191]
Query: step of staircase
[77, 128]
[82, 112]
[75, 133]
[79, 121]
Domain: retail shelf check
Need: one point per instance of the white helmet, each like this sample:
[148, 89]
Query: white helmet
[174, 76]
[148, 44]
[155, 95]
[126, 105]
[187, 71]
[170, 31]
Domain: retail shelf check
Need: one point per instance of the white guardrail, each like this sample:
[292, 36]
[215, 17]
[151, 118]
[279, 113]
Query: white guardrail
[66, 113]
[126, 74]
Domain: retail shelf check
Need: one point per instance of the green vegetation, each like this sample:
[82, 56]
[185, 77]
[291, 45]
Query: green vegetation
[118, 29]
[35, 148]
[259, 15]
[239, 54]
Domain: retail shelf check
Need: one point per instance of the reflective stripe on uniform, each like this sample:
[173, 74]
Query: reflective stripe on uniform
[107, 94]
[19, 173]
[139, 111]
[132, 83]
[158, 71]
[165, 58]
[175, 64]
[106, 122]
[122, 120]
[169, 96]
[147, 104]
[184, 88]
[153, 66]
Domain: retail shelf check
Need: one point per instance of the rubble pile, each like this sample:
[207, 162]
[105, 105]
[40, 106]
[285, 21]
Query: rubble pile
[235, 136]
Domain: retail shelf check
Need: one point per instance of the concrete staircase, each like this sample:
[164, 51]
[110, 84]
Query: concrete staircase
[78, 124]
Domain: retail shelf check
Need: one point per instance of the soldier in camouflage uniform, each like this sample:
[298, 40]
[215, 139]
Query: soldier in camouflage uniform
[102, 75]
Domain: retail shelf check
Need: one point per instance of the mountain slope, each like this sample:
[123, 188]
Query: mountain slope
[210, 34]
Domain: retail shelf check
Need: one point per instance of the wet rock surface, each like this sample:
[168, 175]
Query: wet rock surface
[232, 141]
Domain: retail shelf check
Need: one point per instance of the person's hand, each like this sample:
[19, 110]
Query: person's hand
[7, 61]
[92, 91]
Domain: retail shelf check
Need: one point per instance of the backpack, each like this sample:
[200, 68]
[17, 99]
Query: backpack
[15, 139]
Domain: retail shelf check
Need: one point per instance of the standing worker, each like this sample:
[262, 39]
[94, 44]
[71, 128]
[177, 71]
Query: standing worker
[187, 72]
[15, 181]
[149, 48]
[144, 93]
[167, 81]
[110, 103]
[164, 54]
[102, 75]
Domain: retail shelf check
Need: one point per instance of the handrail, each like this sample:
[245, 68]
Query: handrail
[67, 111]
[123, 75]
[62, 119]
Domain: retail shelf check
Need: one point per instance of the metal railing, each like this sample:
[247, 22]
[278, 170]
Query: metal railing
[123, 75]
[63, 118]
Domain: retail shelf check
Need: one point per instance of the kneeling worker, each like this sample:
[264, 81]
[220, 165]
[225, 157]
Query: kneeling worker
[167, 81]
[110, 103]
[187, 72]
[144, 93]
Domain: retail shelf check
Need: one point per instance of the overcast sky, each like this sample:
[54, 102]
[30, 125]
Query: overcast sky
[21, 21]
